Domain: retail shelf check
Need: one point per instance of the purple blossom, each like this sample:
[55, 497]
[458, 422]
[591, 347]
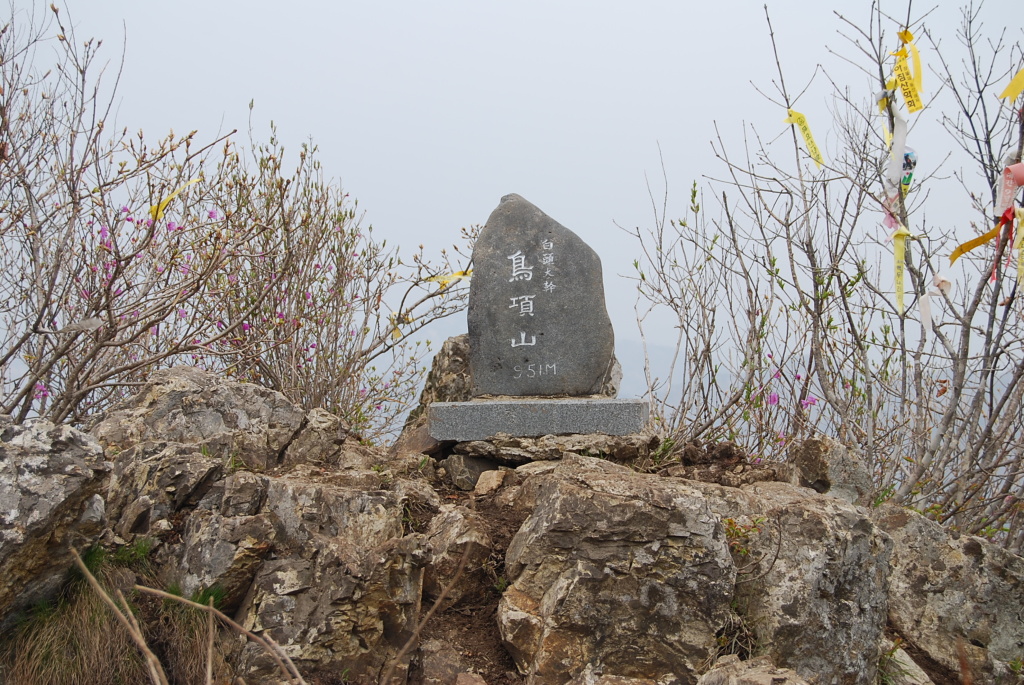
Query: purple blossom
[773, 398]
[809, 402]
[41, 391]
[212, 214]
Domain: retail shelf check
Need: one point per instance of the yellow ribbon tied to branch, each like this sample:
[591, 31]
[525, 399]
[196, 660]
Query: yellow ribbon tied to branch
[448, 279]
[800, 121]
[899, 239]
[396, 320]
[910, 83]
[963, 249]
[1015, 87]
[157, 210]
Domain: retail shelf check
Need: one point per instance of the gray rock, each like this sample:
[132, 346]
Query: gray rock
[613, 567]
[538, 324]
[592, 676]
[464, 471]
[441, 662]
[895, 667]
[482, 419]
[452, 533]
[729, 670]
[448, 380]
[824, 465]
[153, 480]
[51, 478]
[812, 574]
[226, 420]
[947, 590]
[320, 441]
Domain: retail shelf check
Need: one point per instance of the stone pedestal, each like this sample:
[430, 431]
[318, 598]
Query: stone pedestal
[533, 417]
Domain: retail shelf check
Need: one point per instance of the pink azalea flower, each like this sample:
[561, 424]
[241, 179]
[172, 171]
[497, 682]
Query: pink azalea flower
[809, 402]
[773, 398]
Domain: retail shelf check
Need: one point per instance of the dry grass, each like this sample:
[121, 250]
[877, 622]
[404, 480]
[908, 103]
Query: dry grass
[78, 642]
[93, 635]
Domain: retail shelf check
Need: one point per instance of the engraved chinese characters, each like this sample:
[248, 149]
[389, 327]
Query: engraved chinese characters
[538, 324]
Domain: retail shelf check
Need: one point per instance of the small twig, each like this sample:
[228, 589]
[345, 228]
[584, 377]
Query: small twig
[209, 644]
[156, 671]
[271, 647]
[778, 548]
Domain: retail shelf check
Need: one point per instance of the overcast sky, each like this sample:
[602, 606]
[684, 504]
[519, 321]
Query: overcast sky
[429, 112]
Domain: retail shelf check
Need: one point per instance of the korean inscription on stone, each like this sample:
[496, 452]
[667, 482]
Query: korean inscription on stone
[538, 325]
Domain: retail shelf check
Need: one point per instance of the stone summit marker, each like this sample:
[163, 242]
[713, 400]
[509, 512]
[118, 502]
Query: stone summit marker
[541, 345]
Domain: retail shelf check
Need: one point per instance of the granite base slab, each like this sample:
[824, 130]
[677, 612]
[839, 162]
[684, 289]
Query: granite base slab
[533, 417]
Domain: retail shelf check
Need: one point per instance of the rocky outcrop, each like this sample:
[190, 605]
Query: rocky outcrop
[612, 564]
[51, 480]
[447, 381]
[954, 596]
[302, 532]
[238, 422]
[586, 570]
[812, 576]
[616, 569]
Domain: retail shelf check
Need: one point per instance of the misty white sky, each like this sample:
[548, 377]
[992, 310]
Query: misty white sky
[429, 112]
